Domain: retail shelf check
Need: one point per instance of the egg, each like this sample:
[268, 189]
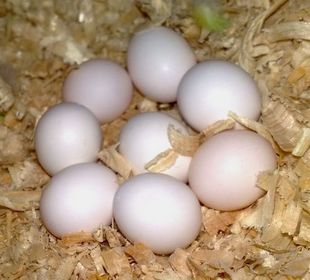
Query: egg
[145, 136]
[158, 211]
[67, 134]
[101, 85]
[157, 59]
[78, 198]
[210, 89]
[224, 170]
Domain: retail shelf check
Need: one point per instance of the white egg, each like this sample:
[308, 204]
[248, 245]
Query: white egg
[67, 134]
[145, 136]
[224, 169]
[101, 85]
[209, 90]
[79, 198]
[158, 211]
[157, 59]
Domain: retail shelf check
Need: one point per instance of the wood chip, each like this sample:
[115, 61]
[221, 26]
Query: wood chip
[162, 162]
[113, 159]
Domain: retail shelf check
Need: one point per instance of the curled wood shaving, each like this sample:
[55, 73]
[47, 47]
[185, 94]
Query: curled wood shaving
[288, 30]
[261, 215]
[257, 127]
[247, 50]
[20, 200]
[185, 145]
[113, 159]
[162, 162]
[217, 127]
[303, 143]
[283, 126]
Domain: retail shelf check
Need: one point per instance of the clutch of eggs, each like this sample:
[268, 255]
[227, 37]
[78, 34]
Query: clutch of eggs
[159, 210]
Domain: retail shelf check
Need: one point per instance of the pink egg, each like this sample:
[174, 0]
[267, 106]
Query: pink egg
[224, 170]
[102, 86]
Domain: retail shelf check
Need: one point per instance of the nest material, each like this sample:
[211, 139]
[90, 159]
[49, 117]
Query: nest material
[43, 40]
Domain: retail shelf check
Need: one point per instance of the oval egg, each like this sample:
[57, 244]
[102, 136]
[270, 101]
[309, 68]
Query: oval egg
[67, 134]
[224, 169]
[157, 59]
[210, 89]
[159, 211]
[102, 86]
[79, 198]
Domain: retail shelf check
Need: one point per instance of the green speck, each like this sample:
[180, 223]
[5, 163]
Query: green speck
[207, 14]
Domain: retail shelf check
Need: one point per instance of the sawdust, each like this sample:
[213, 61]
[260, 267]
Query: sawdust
[42, 41]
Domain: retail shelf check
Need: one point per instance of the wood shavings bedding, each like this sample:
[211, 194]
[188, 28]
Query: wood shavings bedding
[44, 40]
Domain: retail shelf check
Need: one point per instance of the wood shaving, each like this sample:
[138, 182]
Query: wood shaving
[75, 238]
[185, 145]
[13, 146]
[162, 162]
[116, 263]
[285, 128]
[113, 159]
[288, 30]
[7, 98]
[218, 127]
[20, 200]
[257, 127]
[22, 175]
